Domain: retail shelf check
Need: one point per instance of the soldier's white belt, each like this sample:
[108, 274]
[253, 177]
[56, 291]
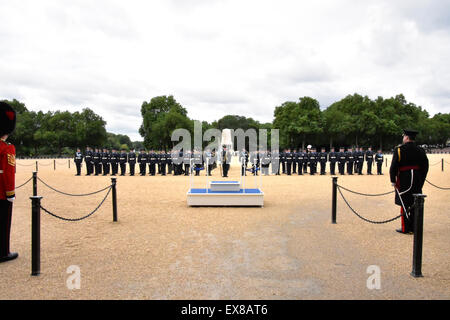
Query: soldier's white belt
[1, 171]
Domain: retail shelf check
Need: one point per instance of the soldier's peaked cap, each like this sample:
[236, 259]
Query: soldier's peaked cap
[410, 133]
[7, 118]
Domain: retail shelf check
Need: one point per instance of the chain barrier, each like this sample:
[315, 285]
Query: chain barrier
[446, 162]
[361, 217]
[439, 162]
[78, 219]
[45, 164]
[366, 194]
[73, 195]
[25, 165]
[442, 188]
[24, 183]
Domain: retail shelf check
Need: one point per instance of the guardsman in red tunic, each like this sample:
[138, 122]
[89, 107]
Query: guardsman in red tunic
[408, 172]
[7, 179]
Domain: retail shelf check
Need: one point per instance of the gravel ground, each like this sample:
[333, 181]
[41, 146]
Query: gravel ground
[162, 249]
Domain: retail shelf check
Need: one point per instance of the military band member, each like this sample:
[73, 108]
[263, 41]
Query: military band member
[88, 161]
[96, 159]
[105, 161]
[243, 161]
[7, 181]
[408, 171]
[342, 158]
[350, 160]
[142, 160]
[306, 153]
[332, 158]
[169, 162]
[379, 157]
[323, 157]
[132, 161]
[369, 160]
[78, 161]
[163, 162]
[254, 162]
[123, 162]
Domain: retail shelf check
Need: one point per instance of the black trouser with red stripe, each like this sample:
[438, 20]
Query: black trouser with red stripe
[5, 226]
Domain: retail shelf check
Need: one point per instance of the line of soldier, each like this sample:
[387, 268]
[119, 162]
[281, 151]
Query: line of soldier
[293, 162]
[104, 162]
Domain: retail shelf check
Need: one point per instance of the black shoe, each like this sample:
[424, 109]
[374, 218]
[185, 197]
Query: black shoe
[9, 257]
[406, 232]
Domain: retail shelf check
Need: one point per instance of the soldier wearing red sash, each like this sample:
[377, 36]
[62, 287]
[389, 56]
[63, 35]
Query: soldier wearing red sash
[7, 179]
[408, 172]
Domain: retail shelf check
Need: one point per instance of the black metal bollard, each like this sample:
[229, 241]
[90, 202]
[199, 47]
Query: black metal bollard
[34, 184]
[442, 162]
[418, 235]
[54, 164]
[114, 198]
[36, 166]
[35, 235]
[69, 163]
[333, 200]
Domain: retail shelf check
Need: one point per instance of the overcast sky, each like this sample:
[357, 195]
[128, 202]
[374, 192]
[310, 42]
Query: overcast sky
[219, 57]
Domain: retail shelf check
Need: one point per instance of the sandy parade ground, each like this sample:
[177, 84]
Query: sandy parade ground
[162, 249]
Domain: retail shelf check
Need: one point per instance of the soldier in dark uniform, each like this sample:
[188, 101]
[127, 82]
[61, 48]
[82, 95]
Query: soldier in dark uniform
[360, 160]
[78, 161]
[342, 158]
[114, 162]
[158, 161]
[254, 162]
[142, 160]
[226, 160]
[265, 162]
[208, 161]
[312, 159]
[332, 158]
[152, 161]
[243, 161]
[306, 153]
[132, 161]
[163, 162]
[275, 160]
[288, 159]
[294, 161]
[187, 161]
[408, 171]
[88, 161]
[7, 182]
[379, 157]
[350, 161]
[369, 160]
[169, 162]
[123, 162]
[105, 161]
[96, 159]
[323, 161]
[300, 159]
[283, 161]
[175, 158]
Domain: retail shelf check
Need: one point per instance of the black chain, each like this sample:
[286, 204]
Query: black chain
[26, 165]
[366, 194]
[24, 183]
[435, 163]
[442, 188]
[82, 218]
[73, 195]
[45, 164]
[359, 216]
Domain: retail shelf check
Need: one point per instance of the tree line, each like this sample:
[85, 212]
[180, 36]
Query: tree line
[355, 120]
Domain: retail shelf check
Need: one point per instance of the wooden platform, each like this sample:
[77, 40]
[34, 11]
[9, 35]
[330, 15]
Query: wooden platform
[210, 198]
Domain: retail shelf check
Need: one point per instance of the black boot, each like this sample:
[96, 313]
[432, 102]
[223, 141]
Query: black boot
[11, 256]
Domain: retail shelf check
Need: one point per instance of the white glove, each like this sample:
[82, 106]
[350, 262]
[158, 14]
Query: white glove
[11, 199]
[393, 184]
